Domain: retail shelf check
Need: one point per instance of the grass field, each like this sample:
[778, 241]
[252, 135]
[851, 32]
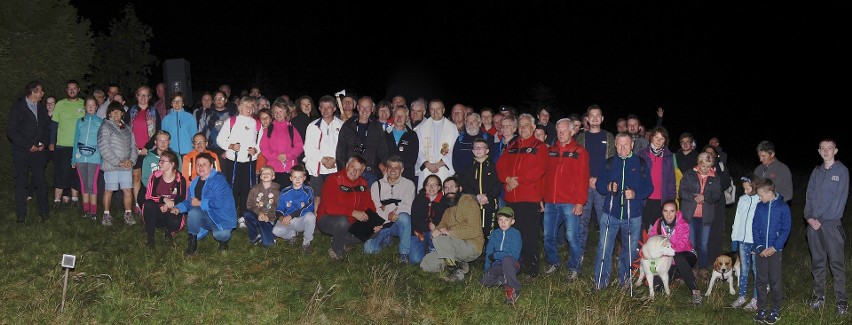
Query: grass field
[119, 280]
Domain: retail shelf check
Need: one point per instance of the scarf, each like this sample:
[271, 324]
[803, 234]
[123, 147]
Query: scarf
[655, 151]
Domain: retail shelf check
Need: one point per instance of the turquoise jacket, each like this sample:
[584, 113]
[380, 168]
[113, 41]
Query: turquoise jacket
[86, 140]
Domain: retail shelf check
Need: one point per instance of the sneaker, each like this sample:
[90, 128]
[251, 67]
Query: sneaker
[256, 240]
[697, 298]
[511, 295]
[464, 267]
[107, 220]
[752, 305]
[292, 241]
[760, 316]
[550, 269]
[572, 276]
[334, 256]
[128, 218]
[842, 308]
[94, 216]
[456, 275]
[403, 259]
[307, 249]
[741, 300]
[242, 222]
[772, 317]
[817, 303]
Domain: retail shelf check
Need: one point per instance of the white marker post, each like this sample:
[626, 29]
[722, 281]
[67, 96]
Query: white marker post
[68, 262]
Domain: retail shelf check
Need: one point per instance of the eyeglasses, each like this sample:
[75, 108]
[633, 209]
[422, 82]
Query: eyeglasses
[219, 98]
[177, 101]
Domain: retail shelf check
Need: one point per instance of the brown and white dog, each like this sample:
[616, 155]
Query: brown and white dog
[656, 260]
[725, 268]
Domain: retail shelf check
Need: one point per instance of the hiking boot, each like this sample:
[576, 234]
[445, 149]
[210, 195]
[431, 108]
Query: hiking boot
[760, 316]
[454, 275]
[773, 317]
[128, 218]
[752, 305]
[572, 276]
[403, 259]
[107, 220]
[223, 245]
[307, 249]
[741, 300]
[511, 295]
[242, 222]
[551, 269]
[256, 240]
[842, 308]
[817, 303]
[333, 255]
[464, 267]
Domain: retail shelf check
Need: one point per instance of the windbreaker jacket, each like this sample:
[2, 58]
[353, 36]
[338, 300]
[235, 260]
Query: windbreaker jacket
[321, 141]
[744, 219]
[828, 190]
[527, 160]
[341, 196]
[567, 177]
[771, 225]
[503, 243]
[628, 173]
[86, 141]
[217, 200]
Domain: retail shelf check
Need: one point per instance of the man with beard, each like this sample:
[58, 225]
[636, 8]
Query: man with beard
[458, 237]
[463, 150]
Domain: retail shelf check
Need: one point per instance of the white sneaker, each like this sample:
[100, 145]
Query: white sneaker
[550, 269]
[752, 305]
[242, 222]
[739, 302]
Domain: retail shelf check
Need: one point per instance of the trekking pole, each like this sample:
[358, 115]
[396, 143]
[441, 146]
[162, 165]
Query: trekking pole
[629, 250]
[606, 235]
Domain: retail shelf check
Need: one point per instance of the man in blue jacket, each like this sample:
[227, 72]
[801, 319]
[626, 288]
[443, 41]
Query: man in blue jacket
[625, 182]
[209, 206]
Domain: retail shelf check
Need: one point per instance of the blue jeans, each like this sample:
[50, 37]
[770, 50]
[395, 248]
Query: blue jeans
[408, 244]
[699, 236]
[596, 201]
[199, 223]
[265, 227]
[609, 228]
[554, 215]
[746, 265]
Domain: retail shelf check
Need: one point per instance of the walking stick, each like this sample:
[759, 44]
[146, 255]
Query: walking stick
[606, 235]
[629, 251]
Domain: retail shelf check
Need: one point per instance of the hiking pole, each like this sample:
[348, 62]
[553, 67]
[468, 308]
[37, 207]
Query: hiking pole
[606, 233]
[629, 249]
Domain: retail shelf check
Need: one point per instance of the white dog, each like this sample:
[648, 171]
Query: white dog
[727, 268]
[656, 260]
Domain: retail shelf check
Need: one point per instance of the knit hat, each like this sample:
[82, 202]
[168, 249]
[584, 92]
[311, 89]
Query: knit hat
[506, 212]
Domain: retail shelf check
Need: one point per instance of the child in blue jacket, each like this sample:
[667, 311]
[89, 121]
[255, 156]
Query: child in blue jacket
[770, 229]
[502, 254]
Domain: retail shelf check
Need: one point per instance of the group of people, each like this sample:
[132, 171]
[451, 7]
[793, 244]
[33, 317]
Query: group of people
[448, 188]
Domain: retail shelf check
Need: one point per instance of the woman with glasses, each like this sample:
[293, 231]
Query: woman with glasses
[180, 124]
[166, 187]
[144, 122]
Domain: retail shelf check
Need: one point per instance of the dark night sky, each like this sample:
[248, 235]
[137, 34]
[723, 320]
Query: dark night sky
[717, 69]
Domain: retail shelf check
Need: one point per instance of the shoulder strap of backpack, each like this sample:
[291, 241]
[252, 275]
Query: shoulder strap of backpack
[290, 131]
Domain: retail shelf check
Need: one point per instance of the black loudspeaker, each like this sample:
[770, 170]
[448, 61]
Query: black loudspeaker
[176, 77]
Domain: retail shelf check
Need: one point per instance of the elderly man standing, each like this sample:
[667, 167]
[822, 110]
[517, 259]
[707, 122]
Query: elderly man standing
[565, 190]
[346, 198]
[458, 237]
[437, 137]
[626, 182]
[520, 168]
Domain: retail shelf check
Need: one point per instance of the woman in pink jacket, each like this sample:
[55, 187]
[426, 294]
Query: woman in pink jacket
[672, 225]
[281, 144]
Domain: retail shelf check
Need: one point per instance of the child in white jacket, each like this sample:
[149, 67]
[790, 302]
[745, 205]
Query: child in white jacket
[742, 241]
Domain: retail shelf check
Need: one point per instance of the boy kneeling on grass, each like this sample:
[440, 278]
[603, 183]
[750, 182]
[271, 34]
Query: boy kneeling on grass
[502, 254]
[770, 229]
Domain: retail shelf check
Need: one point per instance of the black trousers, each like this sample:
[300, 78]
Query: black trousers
[528, 222]
[154, 218]
[26, 163]
[242, 177]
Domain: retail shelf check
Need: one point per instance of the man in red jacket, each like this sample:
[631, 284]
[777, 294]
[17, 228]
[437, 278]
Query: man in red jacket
[346, 198]
[565, 190]
[520, 168]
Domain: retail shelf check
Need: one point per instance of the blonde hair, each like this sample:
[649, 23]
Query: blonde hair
[267, 168]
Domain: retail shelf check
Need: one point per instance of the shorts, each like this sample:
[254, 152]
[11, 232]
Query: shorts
[118, 179]
[316, 183]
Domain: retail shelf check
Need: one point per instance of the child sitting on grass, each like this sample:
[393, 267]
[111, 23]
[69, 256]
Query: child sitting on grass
[260, 208]
[502, 254]
[770, 229]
